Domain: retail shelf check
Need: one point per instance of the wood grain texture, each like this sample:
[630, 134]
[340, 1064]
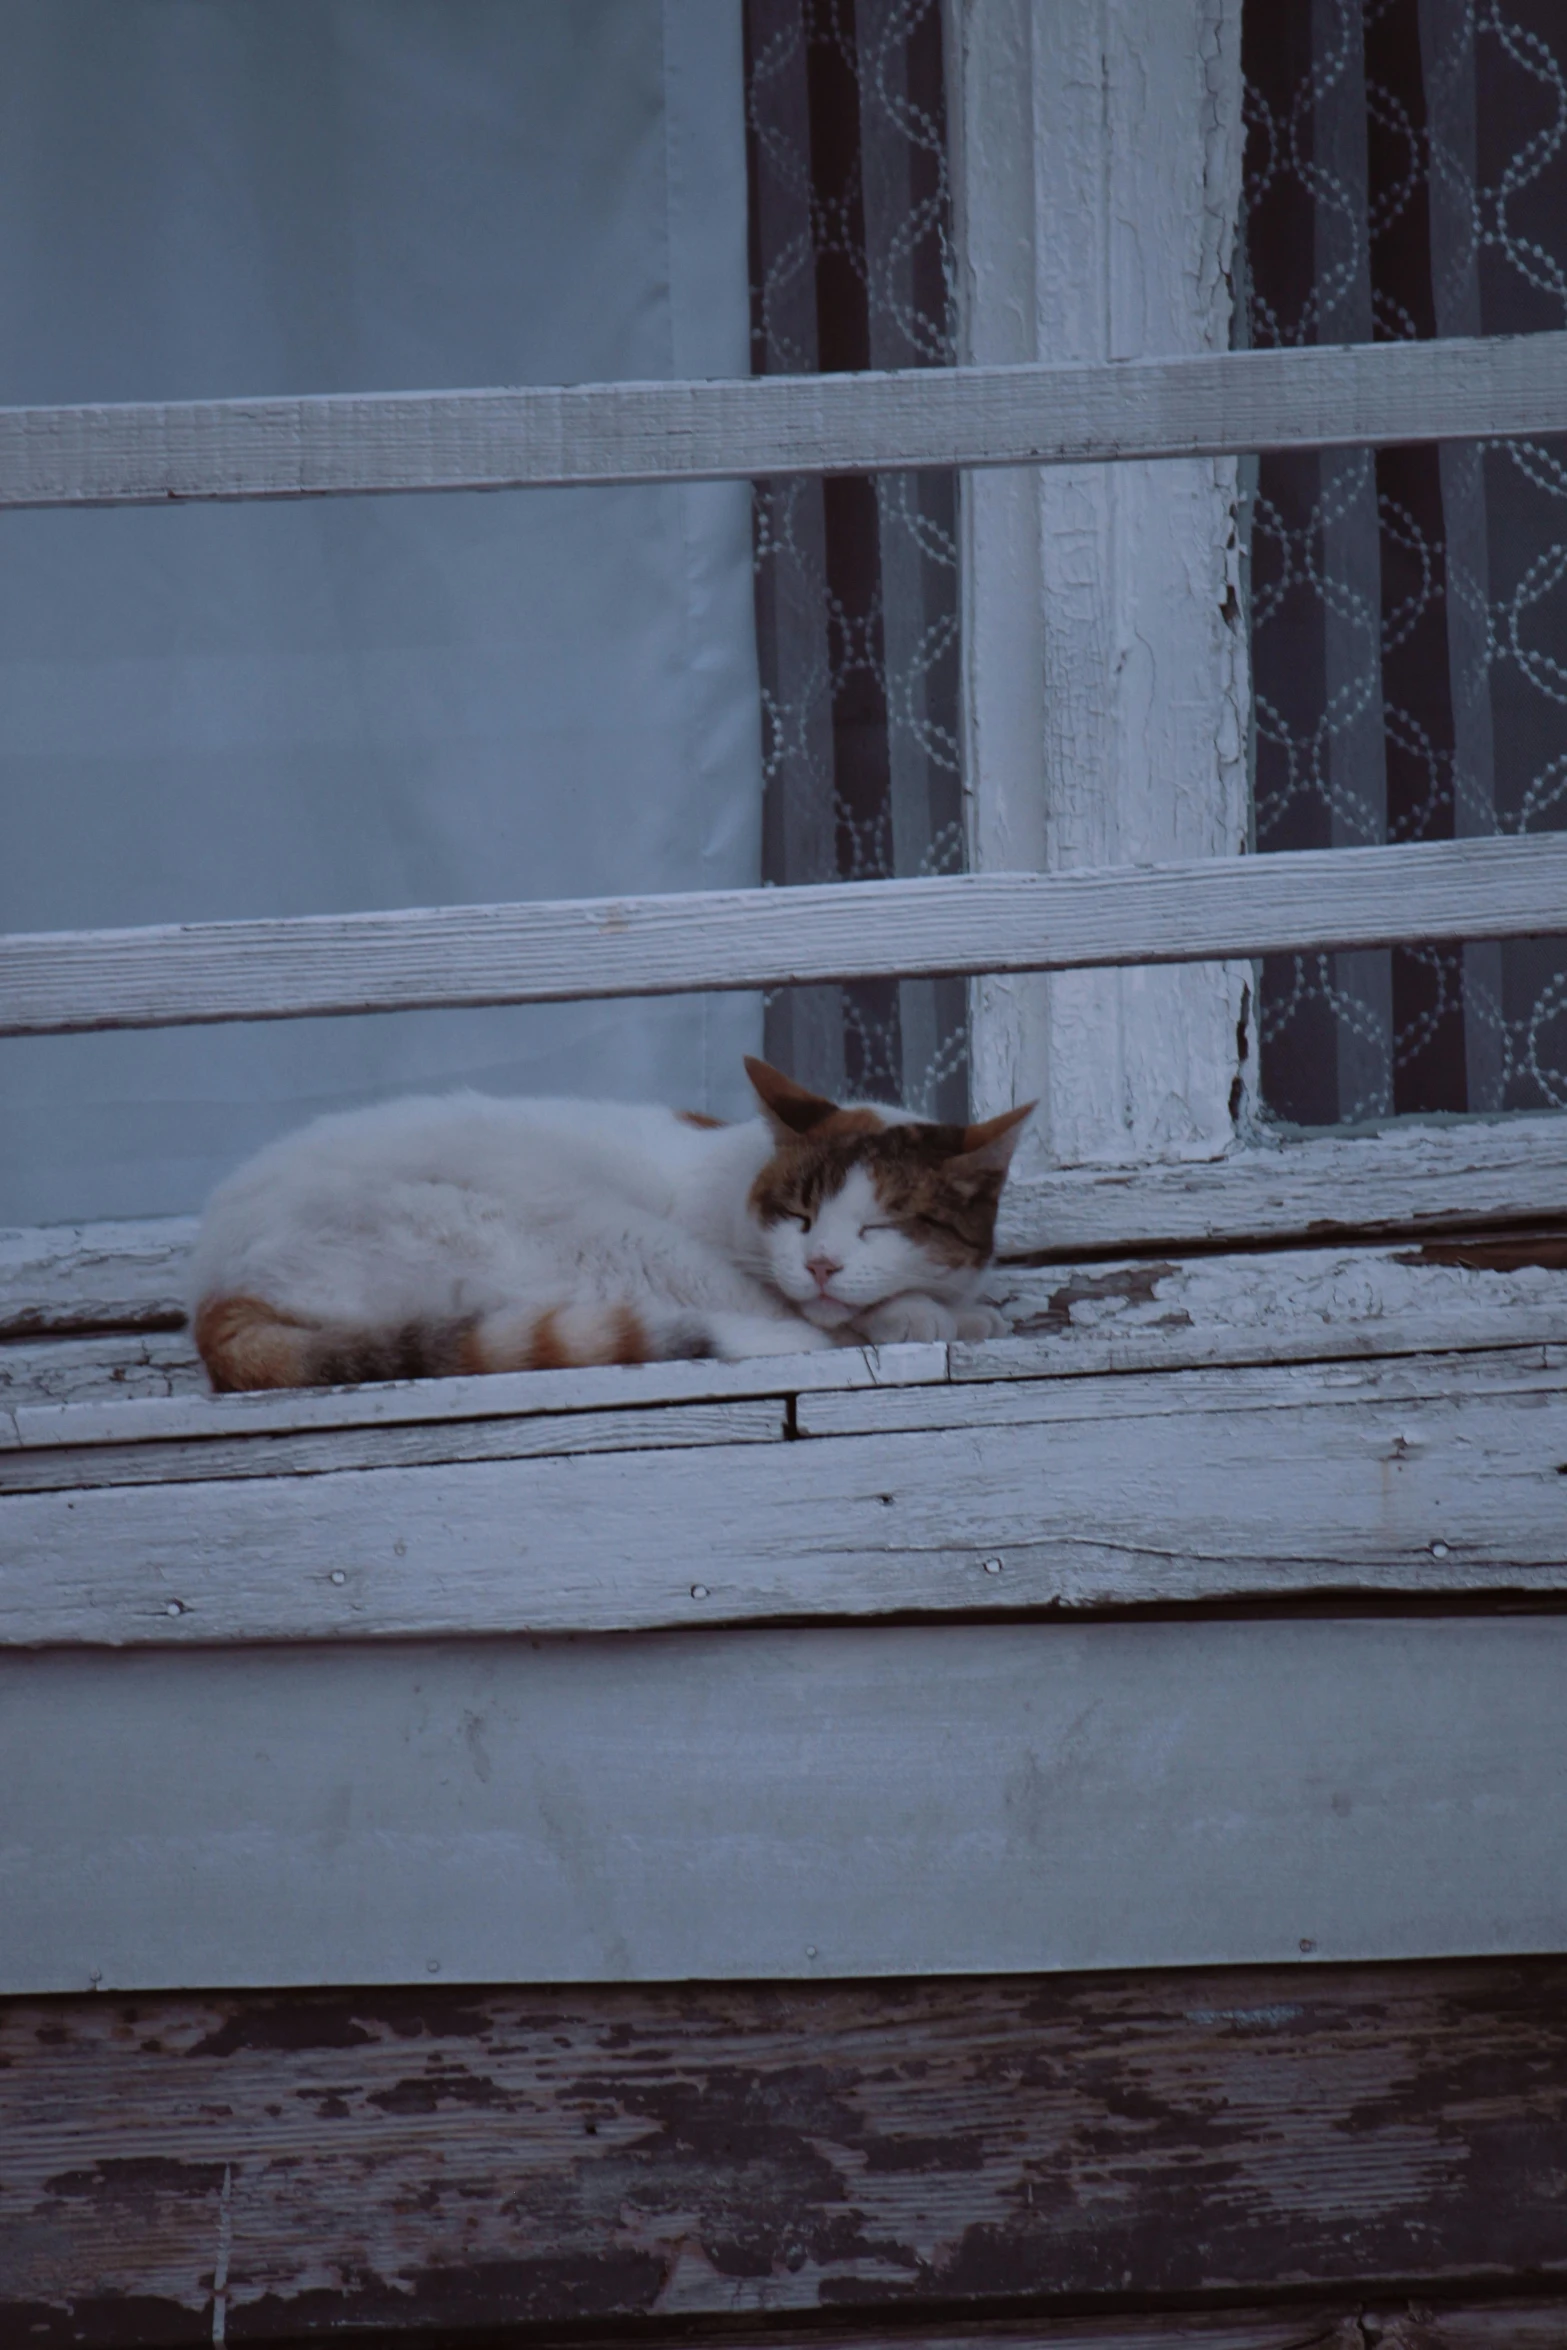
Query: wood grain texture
[426, 2160]
[347, 444]
[125, 1274]
[1212, 909]
[97, 1367]
[401, 1403]
[59, 1468]
[1425, 1476]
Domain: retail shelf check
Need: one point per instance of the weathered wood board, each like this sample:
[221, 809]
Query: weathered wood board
[863, 1801]
[346, 444]
[426, 2160]
[1426, 1476]
[1411, 1179]
[1203, 910]
[60, 1468]
[402, 1403]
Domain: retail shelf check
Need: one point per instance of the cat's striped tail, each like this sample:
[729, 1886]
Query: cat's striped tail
[245, 1342]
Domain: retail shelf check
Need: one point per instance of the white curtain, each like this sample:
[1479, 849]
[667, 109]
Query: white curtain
[262, 710]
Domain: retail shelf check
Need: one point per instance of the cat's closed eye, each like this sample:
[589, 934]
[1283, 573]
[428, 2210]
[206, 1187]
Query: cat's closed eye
[939, 1224]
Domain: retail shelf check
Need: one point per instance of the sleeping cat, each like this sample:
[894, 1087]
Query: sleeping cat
[429, 1237]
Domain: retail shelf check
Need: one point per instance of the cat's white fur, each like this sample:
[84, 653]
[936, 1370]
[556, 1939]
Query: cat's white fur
[425, 1209]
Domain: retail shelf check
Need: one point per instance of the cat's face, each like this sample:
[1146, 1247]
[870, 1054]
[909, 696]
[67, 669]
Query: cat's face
[859, 1205]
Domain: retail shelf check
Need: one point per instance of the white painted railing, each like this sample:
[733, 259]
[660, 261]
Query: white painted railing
[351, 444]
[564, 950]
[1212, 911]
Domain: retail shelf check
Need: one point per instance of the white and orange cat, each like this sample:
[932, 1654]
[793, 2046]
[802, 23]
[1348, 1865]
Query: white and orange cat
[465, 1233]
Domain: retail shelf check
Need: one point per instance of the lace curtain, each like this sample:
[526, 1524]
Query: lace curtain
[856, 578]
[1407, 177]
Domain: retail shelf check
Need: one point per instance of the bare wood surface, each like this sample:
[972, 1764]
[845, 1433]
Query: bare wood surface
[430, 2159]
[1420, 1476]
[1212, 909]
[349, 443]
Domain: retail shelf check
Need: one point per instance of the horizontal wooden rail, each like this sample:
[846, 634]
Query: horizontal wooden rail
[352, 443]
[1220, 908]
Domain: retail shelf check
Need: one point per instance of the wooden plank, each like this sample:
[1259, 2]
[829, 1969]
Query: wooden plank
[348, 444]
[1276, 1304]
[1175, 1350]
[1216, 908]
[1411, 1179]
[58, 1468]
[97, 1367]
[1015, 1401]
[123, 1274]
[1420, 1477]
[402, 1403]
[890, 2163]
[877, 1800]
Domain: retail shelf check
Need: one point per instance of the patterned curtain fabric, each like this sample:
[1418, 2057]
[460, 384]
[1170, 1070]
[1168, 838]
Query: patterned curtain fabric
[856, 578]
[1406, 176]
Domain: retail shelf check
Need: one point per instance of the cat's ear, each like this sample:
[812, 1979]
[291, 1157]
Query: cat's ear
[987, 1148]
[790, 1110]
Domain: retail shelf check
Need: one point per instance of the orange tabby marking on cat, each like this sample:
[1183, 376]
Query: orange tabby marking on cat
[244, 1342]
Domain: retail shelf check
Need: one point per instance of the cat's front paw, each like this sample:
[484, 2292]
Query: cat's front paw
[738, 1338]
[982, 1322]
[899, 1321]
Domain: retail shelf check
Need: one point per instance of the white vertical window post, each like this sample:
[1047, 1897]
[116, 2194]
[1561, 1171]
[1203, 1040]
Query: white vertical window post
[1097, 152]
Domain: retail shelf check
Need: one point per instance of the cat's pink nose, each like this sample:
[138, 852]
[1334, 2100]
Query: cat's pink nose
[822, 1269]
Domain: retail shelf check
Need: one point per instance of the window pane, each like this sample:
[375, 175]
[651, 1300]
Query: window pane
[267, 710]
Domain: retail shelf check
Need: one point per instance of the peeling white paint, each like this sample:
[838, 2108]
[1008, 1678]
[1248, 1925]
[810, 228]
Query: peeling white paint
[1098, 161]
